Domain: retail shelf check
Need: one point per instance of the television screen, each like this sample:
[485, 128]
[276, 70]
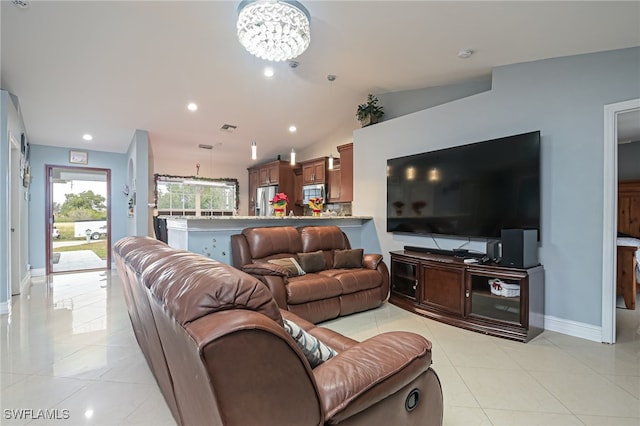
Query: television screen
[473, 190]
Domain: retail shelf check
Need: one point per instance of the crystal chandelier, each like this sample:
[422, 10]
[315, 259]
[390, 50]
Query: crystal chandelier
[275, 30]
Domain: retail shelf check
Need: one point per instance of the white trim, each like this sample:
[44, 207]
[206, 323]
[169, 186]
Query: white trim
[573, 328]
[5, 308]
[38, 272]
[26, 281]
[609, 215]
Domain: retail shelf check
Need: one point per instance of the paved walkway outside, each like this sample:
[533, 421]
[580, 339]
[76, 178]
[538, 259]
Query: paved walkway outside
[77, 260]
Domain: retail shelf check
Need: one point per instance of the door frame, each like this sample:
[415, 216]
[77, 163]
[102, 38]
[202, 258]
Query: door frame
[48, 219]
[610, 215]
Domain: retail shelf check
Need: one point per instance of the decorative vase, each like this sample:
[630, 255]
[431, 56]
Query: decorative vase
[280, 210]
[316, 212]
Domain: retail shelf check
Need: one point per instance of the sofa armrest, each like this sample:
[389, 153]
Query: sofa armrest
[371, 261]
[369, 372]
[264, 268]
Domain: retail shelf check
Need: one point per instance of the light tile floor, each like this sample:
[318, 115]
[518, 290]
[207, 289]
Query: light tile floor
[68, 348]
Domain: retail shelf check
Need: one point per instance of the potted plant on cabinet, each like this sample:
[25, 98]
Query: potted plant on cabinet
[369, 112]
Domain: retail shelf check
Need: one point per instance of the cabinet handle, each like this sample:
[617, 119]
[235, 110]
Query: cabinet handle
[466, 293]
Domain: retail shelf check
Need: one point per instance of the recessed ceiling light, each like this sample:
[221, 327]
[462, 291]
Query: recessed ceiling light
[192, 106]
[87, 137]
[269, 72]
[292, 129]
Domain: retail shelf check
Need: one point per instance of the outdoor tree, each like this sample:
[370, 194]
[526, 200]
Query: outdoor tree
[86, 205]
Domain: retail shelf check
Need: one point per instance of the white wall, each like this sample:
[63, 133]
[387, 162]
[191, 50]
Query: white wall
[564, 98]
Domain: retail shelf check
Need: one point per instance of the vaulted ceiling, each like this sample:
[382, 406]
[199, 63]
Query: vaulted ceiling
[109, 67]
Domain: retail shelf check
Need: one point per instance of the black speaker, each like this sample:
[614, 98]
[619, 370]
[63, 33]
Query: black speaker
[519, 248]
[493, 249]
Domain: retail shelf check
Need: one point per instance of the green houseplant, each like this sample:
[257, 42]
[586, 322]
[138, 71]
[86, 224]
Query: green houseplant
[369, 112]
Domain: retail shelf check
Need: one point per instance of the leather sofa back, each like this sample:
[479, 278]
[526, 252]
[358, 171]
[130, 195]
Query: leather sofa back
[264, 243]
[316, 238]
[210, 334]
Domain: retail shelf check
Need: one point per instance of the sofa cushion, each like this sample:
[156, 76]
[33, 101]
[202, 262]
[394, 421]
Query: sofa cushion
[347, 258]
[322, 238]
[313, 349]
[353, 280]
[267, 241]
[290, 264]
[312, 262]
[312, 287]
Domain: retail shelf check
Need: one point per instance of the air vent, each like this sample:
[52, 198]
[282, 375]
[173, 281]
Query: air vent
[22, 4]
[203, 146]
[228, 128]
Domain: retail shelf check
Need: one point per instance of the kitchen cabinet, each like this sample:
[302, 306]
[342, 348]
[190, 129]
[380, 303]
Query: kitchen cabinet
[297, 186]
[280, 173]
[346, 173]
[487, 298]
[253, 186]
[335, 183]
[314, 171]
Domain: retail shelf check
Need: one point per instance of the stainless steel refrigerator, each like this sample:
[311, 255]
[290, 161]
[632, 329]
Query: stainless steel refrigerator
[264, 195]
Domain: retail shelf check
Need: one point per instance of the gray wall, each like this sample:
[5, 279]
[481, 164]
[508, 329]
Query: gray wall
[397, 104]
[564, 98]
[42, 155]
[629, 160]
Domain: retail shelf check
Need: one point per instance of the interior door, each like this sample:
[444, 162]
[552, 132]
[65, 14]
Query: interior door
[78, 217]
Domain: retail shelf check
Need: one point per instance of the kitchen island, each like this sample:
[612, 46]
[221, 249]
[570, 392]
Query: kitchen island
[211, 235]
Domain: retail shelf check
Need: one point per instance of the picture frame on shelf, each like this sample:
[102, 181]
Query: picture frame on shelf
[78, 157]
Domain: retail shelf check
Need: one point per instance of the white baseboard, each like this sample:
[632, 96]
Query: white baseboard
[573, 328]
[5, 308]
[25, 282]
[38, 272]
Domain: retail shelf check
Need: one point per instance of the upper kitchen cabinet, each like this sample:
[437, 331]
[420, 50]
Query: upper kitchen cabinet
[314, 171]
[346, 173]
[269, 174]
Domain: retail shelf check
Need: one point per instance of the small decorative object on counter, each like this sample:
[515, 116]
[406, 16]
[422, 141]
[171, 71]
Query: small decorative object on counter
[315, 204]
[279, 203]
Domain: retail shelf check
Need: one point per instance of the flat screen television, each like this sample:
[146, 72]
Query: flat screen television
[473, 190]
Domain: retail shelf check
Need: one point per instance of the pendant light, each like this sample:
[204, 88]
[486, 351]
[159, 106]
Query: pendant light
[254, 150]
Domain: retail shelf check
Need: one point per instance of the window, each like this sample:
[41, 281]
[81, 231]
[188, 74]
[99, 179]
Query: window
[195, 196]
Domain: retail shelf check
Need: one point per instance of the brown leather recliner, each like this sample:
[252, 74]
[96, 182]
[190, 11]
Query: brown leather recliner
[316, 296]
[214, 339]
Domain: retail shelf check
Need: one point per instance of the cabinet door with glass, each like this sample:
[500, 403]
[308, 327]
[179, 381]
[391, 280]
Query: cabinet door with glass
[497, 296]
[404, 278]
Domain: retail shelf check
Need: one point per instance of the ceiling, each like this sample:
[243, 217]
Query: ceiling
[108, 68]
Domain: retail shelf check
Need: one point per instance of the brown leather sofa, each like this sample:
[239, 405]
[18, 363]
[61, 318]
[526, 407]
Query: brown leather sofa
[317, 296]
[214, 339]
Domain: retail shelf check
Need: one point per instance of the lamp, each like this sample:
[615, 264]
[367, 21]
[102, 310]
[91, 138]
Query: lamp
[254, 150]
[293, 157]
[274, 30]
[330, 161]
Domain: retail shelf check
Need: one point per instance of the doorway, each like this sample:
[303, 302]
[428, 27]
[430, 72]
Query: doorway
[612, 114]
[78, 219]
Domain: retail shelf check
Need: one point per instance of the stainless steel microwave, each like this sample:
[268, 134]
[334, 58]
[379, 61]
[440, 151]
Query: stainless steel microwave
[313, 191]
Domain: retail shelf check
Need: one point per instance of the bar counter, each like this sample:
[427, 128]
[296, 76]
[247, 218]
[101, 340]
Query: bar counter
[211, 235]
